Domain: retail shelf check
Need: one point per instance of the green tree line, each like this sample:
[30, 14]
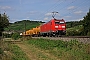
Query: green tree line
[81, 27]
[86, 24]
[4, 22]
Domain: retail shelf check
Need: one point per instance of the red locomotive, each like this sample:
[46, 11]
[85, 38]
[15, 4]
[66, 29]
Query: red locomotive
[54, 27]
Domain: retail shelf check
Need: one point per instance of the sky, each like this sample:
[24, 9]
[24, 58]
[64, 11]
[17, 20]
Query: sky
[41, 10]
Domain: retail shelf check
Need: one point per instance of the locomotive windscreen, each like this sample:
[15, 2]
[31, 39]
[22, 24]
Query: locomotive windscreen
[59, 22]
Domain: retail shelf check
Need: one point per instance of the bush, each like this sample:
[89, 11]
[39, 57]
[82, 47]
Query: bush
[16, 36]
[1, 51]
[88, 34]
[72, 33]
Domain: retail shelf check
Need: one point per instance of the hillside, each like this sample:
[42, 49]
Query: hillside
[20, 25]
[74, 28]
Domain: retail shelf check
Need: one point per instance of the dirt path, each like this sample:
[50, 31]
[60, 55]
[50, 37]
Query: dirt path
[34, 53]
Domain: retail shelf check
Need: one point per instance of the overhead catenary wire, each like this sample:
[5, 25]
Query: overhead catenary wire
[55, 6]
[76, 9]
[50, 8]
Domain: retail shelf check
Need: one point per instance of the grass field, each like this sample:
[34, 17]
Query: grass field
[72, 50]
[10, 51]
[44, 49]
[18, 54]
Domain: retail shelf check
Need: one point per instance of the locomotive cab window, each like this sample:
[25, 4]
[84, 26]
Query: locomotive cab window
[56, 22]
[61, 22]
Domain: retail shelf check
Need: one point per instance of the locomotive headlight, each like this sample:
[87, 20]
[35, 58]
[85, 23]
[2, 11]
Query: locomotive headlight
[63, 26]
[21, 34]
[56, 26]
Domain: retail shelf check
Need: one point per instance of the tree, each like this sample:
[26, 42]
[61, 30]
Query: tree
[4, 22]
[86, 24]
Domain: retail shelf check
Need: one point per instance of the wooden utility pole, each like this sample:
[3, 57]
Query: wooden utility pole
[25, 26]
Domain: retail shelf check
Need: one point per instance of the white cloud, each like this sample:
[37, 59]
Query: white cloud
[27, 17]
[71, 7]
[32, 12]
[75, 20]
[67, 16]
[48, 14]
[36, 20]
[5, 8]
[78, 12]
[14, 20]
[46, 18]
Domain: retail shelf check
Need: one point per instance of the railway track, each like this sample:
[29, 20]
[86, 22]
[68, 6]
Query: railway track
[83, 39]
[10, 40]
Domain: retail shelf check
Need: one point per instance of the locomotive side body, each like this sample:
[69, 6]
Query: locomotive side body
[54, 27]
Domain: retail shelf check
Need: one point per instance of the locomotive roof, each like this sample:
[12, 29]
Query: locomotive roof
[53, 19]
[57, 19]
